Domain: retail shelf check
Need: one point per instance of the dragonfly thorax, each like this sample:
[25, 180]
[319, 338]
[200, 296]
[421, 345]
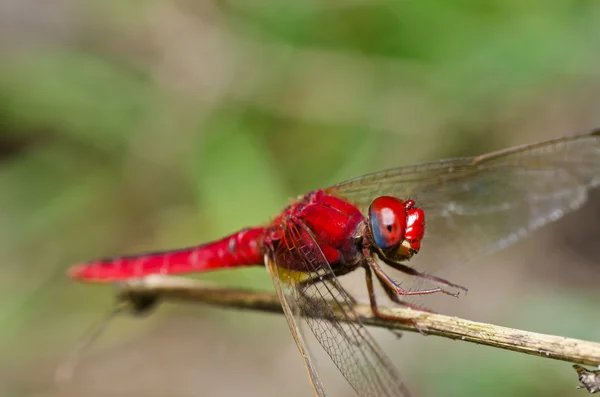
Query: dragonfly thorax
[396, 227]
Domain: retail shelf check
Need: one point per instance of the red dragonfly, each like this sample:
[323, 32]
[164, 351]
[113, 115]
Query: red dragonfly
[473, 205]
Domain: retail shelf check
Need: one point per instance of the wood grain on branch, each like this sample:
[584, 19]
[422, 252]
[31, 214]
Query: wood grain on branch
[143, 293]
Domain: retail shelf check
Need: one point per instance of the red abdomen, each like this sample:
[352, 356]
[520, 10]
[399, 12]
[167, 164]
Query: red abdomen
[244, 248]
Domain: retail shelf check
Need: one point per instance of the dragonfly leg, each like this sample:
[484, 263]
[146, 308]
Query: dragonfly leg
[396, 299]
[413, 272]
[325, 278]
[389, 283]
[375, 308]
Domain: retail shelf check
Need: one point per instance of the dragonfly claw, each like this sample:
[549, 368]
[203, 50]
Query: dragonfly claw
[465, 289]
[454, 294]
[418, 328]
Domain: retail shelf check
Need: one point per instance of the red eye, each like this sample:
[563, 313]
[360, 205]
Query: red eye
[415, 226]
[388, 221]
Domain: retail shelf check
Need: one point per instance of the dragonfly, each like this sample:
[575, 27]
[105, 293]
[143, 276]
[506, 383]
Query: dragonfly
[445, 211]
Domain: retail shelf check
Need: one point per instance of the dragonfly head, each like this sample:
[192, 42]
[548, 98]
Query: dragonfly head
[396, 227]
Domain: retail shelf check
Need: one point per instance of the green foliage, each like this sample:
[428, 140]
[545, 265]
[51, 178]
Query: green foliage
[150, 126]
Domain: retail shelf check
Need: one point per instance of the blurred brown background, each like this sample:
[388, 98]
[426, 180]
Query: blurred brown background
[128, 126]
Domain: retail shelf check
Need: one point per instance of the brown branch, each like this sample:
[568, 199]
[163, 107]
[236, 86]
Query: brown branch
[143, 293]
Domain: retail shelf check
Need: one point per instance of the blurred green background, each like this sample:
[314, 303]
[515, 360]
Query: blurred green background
[128, 126]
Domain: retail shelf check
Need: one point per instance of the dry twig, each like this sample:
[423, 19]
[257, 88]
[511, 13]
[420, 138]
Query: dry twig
[144, 292]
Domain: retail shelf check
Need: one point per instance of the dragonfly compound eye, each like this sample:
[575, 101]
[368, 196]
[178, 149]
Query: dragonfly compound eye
[388, 217]
[415, 229]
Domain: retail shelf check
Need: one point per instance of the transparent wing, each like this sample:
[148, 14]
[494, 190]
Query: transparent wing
[476, 205]
[290, 309]
[353, 350]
